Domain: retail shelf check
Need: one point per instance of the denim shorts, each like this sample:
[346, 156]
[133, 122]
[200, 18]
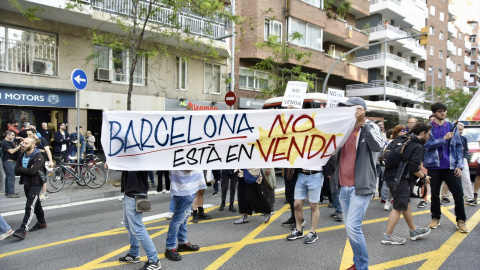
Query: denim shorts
[309, 185]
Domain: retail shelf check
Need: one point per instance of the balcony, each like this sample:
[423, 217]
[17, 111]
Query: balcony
[451, 65]
[393, 62]
[188, 22]
[467, 60]
[466, 75]
[411, 45]
[28, 58]
[452, 31]
[451, 48]
[452, 12]
[391, 9]
[468, 46]
[392, 90]
[450, 83]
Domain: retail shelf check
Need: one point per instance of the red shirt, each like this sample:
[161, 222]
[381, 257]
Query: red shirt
[347, 160]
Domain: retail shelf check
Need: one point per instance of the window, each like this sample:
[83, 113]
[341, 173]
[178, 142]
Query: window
[119, 62]
[253, 80]
[311, 35]
[432, 51]
[459, 84]
[430, 70]
[212, 78]
[432, 10]
[459, 67]
[442, 16]
[473, 38]
[27, 51]
[440, 75]
[180, 73]
[432, 31]
[459, 51]
[460, 35]
[317, 86]
[440, 54]
[316, 3]
[440, 35]
[272, 27]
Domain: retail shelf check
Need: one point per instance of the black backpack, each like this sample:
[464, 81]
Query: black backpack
[393, 152]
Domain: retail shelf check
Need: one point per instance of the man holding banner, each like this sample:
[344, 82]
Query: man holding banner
[356, 176]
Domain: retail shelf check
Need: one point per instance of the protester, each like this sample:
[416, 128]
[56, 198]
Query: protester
[290, 177]
[75, 139]
[197, 206]
[10, 155]
[135, 184]
[356, 177]
[328, 172]
[466, 182]
[217, 175]
[228, 176]
[27, 166]
[90, 143]
[399, 130]
[13, 126]
[23, 132]
[444, 161]
[44, 148]
[413, 153]
[61, 144]
[411, 122]
[250, 198]
[184, 185]
[165, 175]
[269, 184]
[5, 229]
[45, 132]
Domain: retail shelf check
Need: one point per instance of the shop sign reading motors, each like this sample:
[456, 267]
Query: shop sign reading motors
[37, 98]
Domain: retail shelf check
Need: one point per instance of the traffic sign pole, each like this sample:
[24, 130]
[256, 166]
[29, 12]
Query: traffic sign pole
[79, 80]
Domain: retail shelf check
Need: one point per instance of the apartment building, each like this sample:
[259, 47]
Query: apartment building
[474, 68]
[395, 72]
[37, 59]
[325, 34]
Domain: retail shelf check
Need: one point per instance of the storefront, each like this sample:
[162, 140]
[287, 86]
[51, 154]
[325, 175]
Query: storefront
[250, 104]
[34, 106]
[173, 104]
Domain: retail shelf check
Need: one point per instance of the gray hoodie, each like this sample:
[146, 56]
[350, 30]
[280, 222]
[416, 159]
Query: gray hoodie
[369, 145]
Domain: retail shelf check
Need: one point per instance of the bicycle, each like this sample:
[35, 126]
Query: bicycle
[64, 175]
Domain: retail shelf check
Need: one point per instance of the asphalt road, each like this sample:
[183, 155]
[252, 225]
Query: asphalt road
[91, 236]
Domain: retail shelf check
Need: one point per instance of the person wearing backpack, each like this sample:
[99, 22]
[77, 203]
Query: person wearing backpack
[444, 160]
[412, 155]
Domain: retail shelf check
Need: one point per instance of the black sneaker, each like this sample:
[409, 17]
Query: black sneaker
[37, 227]
[303, 224]
[129, 259]
[289, 222]
[215, 194]
[445, 200]
[422, 204]
[20, 233]
[172, 255]
[231, 208]
[151, 265]
[311, 238]
[295, 235]
[188, 247]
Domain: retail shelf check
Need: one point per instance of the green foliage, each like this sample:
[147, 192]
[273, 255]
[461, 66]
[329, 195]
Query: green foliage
[28, 12]
[343, 9]
[456, 100]
[284, 64]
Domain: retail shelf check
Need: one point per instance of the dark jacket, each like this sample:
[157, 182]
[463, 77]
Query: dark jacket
[59, 141]
[29, 176]
[413, 153]
[134, 183]
[369, 145]
[329, 168]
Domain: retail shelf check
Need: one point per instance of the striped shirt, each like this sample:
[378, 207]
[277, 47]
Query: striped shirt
[184, 183]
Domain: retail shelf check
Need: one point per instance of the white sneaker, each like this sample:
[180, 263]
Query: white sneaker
[6, 234]
[386, 207]
[170, 215]
[43, 197]
[167, 191]
[120, 199]
[163, 191]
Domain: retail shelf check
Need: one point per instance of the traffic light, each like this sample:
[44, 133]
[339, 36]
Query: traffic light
[424, 39]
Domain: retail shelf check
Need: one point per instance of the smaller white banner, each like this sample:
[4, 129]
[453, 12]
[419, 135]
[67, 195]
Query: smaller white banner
[334, 97]
[294, 94]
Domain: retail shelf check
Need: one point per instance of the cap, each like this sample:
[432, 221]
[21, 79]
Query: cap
[353, 101]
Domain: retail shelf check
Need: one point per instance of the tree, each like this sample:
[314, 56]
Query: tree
[456, 100]
[144, 27]
[278, 65]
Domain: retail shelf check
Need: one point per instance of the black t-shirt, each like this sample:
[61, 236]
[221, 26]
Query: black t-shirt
[6, 145]
[413, 153]
[41, 146]
[46, 133]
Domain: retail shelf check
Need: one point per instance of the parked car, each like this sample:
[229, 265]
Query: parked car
[472, 133]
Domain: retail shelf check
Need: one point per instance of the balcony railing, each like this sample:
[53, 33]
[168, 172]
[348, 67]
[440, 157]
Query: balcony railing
[413, 42]
[189, 23]
[380, 84]
[28, 57]
[451, 47]
[468, 45]
[396, 2]
[389, 56]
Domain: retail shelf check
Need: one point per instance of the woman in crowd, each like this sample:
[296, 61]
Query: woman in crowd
[250, 197]
[90, 140]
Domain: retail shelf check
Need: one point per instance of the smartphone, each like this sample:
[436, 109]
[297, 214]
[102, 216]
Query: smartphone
[454, 126]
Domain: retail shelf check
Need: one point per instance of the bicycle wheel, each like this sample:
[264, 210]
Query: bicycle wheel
[68, 176]
[55, 180]
[95, 177]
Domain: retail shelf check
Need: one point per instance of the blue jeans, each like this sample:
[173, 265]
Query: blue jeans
[354, 208]
[9, 167]
[171, 207]
[136, 231]
[2, 175]
[335, 195]
[178, 225]
[4, 227]
[150, 175]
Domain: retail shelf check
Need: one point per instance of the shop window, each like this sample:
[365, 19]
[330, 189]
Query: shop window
[212, 78]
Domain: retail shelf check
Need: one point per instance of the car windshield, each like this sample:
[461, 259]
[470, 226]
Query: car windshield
[472, 134]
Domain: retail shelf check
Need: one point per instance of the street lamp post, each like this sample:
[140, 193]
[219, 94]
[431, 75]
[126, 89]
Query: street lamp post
[433, 77]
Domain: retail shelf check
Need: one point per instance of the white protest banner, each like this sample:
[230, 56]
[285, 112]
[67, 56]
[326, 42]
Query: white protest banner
[472, 111]
[334, 97]
[294, 94]
[233, 139]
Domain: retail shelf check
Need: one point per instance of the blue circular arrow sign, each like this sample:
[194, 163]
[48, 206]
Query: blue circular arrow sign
[79, 79]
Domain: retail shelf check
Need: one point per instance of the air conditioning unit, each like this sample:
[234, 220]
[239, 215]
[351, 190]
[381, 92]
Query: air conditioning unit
[42, 67]
[417, 106]
[103, 74]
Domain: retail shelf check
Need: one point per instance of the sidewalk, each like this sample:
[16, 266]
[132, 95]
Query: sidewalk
[73, 194]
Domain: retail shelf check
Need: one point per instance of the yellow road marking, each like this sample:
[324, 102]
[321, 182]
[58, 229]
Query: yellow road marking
[347, 257]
